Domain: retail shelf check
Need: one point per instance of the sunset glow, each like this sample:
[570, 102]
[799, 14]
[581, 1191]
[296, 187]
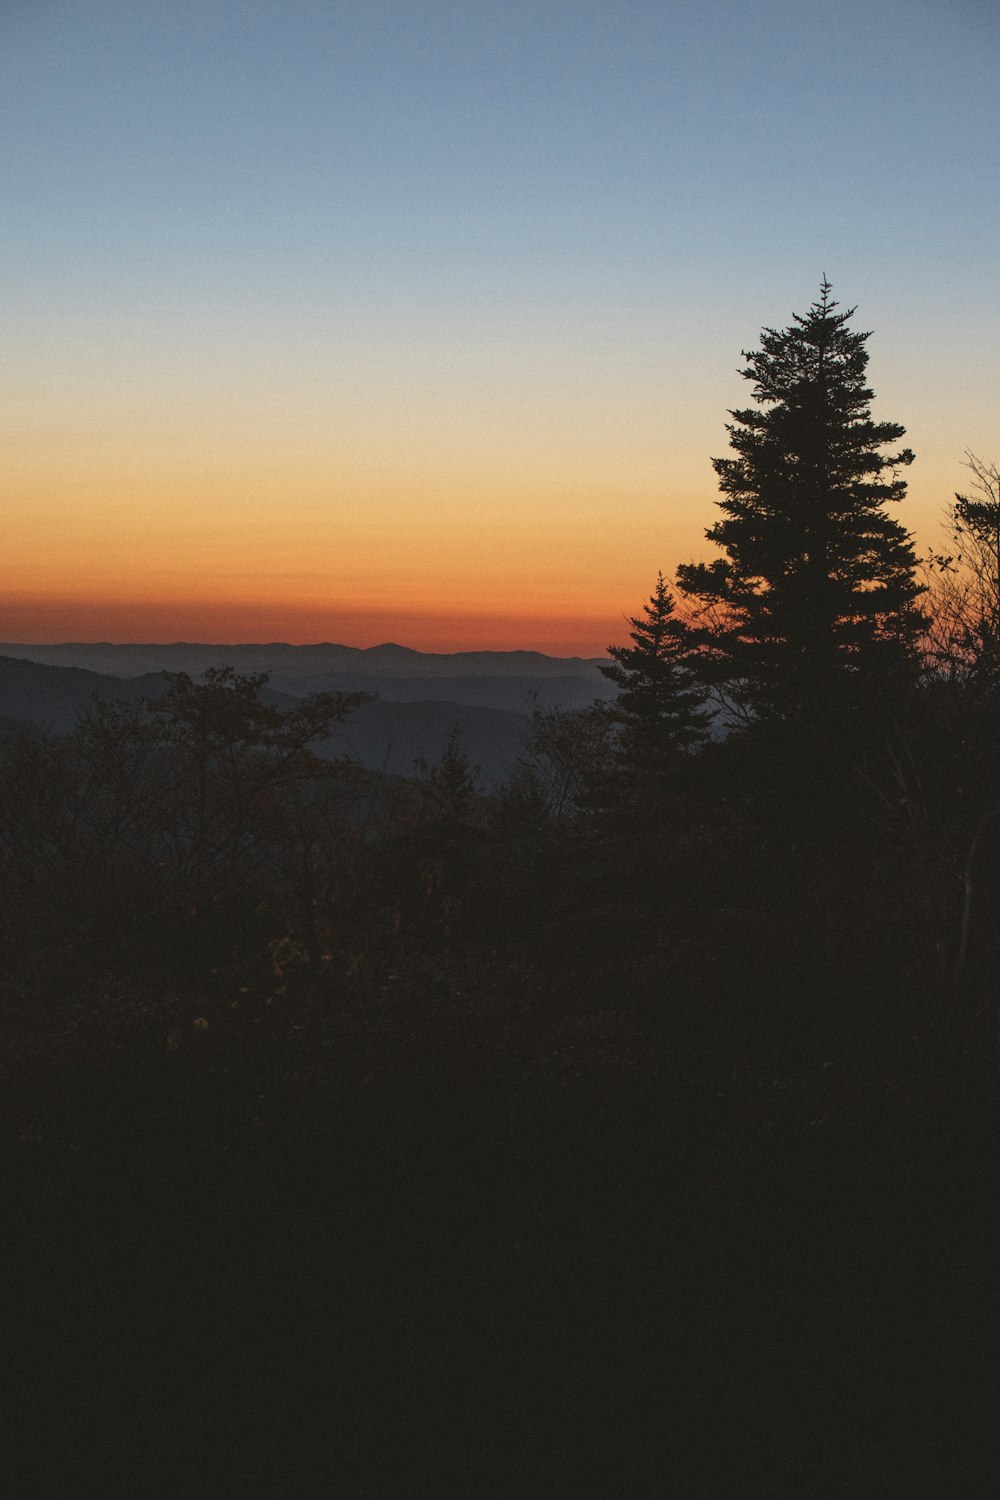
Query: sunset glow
[425, 328]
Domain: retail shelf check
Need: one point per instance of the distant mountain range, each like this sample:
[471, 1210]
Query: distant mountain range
[487, 696]
[276, 657]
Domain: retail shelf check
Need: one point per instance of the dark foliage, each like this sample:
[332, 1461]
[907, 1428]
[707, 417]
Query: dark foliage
[660, 703]
[354, 1126]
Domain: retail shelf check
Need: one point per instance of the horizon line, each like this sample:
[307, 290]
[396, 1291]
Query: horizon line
[148, 645]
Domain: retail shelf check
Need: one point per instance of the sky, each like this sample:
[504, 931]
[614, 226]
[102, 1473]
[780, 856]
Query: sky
[420, 321]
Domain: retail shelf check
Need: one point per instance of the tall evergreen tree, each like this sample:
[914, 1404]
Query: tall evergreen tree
[660, 704]
[817, 589]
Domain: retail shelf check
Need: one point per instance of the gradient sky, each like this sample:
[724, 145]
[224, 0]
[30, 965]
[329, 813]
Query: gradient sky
[419, 322]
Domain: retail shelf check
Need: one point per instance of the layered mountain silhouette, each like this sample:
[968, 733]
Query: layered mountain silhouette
[486, 696]
[279, 658]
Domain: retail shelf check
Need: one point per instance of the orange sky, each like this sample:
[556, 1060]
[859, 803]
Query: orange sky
[218, 531]
[540, 526]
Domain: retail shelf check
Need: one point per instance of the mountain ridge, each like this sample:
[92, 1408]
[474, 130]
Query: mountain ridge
[384, 734]
[388, 659]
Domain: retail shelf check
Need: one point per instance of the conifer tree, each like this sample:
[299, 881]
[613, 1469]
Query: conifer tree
[817, 589]
[660, 704]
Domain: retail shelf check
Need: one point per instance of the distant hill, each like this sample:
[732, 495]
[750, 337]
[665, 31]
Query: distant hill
[383, 735]
[54, 697]
[390, 736]
[515, 694]
[386, 661]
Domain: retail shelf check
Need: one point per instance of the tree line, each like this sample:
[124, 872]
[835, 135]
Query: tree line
[817, 607]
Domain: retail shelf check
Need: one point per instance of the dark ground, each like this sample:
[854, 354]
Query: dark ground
[648, 1150]
[489, 1247]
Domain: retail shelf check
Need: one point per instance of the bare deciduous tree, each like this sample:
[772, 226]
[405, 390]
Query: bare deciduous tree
[964, 632]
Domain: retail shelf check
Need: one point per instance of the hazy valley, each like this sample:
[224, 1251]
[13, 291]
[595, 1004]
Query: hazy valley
[418, 698]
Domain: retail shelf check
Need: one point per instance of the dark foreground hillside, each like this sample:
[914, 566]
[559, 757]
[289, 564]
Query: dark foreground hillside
[646, 1150]
[455, 1260]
